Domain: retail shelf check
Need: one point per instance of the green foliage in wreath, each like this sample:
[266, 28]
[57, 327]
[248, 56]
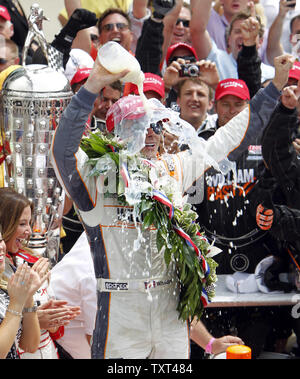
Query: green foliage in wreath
[191, 274]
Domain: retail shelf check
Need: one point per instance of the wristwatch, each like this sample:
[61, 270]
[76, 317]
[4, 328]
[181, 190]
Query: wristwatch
[30, 310]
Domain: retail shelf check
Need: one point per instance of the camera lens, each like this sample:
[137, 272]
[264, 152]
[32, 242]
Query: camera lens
[193, 70]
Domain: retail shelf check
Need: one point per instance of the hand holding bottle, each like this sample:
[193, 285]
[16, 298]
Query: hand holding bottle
[100, 77]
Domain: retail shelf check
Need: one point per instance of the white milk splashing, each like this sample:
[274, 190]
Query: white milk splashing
[186, 135]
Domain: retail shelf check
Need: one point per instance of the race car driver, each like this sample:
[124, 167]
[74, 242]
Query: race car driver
[137, 322]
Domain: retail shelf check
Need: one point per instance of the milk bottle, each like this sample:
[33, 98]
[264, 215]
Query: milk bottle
[115, 59]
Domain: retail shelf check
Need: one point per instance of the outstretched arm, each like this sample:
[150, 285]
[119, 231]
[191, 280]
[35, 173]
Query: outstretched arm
[247, 126]
[274, 47]
[277, 148]
[68, 159]
[248, 61]
[199, 35]
[138, 15]
[168, 26]
[82, 40]
[155, 37]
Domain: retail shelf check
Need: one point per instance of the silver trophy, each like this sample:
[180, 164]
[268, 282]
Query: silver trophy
[32, 101]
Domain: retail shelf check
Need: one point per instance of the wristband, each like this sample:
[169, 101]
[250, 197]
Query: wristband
[30, 310]
[208, 348]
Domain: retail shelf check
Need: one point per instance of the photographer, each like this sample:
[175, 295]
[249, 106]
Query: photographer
[183, 67]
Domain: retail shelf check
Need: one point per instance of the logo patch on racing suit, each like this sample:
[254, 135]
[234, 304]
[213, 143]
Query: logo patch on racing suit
[116, 286]
[219, 186]
[155, 283]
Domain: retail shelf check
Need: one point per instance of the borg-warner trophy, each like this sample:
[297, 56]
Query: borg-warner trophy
[32, 101]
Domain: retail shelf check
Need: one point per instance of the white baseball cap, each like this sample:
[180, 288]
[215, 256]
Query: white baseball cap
[78, 59]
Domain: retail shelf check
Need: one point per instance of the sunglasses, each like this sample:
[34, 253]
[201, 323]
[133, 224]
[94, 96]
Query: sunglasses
[157, 127]
[120, 26]
[185, 23]
[189, 58]
[3, 61]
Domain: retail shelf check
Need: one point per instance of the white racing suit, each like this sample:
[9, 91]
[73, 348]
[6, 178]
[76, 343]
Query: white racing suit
[137, 293]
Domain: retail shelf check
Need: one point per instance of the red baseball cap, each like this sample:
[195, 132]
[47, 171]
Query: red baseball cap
[4, 13]
[235, 87]
[80, 75]
[152, 82]
[178, 45]
[128, 107]
[294, 72]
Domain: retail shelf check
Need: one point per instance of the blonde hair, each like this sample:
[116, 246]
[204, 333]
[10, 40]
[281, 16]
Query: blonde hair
[3, 282]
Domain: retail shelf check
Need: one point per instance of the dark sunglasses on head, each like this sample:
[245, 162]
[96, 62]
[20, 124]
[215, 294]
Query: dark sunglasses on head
[157, 127]
[185, 23]
[119, 25]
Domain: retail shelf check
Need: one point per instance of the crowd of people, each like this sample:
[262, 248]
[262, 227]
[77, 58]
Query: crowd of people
[228, 68]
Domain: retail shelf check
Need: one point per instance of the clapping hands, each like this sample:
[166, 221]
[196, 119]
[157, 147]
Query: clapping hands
[56, 313]
[24, 283]
[19, 285]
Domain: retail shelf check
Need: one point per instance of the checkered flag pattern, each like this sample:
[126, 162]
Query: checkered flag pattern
[55, 58]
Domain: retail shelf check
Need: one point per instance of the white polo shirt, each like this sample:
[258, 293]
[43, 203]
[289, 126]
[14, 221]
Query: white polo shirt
[73, 279]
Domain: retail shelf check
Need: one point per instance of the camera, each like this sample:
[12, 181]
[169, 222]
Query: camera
[189, 70]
